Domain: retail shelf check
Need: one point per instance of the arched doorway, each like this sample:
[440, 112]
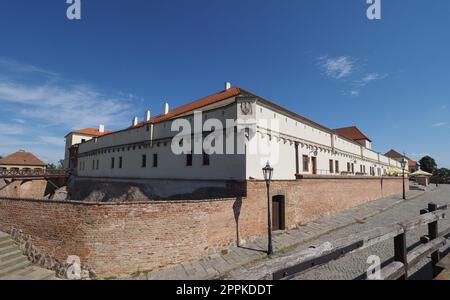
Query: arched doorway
[278, 213]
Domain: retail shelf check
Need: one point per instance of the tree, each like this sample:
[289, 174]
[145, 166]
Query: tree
[443, 172]
[51, 167]
[428, 164]
[61, 164]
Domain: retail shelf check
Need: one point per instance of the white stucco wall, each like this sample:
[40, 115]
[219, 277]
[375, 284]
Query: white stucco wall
[125, 144]
[73, 139]
[275, 134]
[313, 142]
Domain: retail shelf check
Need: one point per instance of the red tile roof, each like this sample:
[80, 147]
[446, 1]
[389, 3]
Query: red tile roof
[91, 132]
[393, 154]
[352, 133]
[211, 99]
[21, 158]
[223, 95]
[412, 164]
[396, 155]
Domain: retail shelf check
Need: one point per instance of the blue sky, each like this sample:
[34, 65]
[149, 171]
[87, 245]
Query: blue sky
[323, 59]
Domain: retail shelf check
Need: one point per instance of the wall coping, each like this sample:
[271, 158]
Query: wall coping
[90, 203]
[300, 177]
[125, 179]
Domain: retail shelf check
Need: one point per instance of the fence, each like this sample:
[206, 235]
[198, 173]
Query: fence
[33, 173]
[288, 266]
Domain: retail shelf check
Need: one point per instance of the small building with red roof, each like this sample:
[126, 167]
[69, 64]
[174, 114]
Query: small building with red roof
[21, 160]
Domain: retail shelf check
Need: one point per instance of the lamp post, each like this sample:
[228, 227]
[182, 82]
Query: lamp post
[403, 163]
[268, 172]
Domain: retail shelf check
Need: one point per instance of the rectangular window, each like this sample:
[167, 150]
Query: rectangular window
[155, 160]
[305, 163]
[353, 168]
[348, 167]
[144, 161]
[189, 160]
[337, 167]
[120, 162]
[205, 159]
[361, 169]
[331, 166]
[98, 164]
[112, 162]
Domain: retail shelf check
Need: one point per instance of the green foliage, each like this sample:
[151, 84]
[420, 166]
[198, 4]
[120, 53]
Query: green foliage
[51, 167]
[428, 164]
[61, 164]
[443, 172]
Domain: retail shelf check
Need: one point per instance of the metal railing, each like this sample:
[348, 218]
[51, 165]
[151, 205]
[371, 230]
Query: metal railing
[33, 173]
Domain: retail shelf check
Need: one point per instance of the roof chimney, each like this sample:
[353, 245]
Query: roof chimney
[135, 121]
[148, 116]
[166, 108]
[101, 128]
[227, 85]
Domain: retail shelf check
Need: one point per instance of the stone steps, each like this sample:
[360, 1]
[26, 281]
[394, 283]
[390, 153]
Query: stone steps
[15, 265]
[4, 237]
[31, 273]
[8, 249]
[12, 261]
[6, 243]
[13, 253]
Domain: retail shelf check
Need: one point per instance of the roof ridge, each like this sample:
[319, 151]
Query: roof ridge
[22, 157]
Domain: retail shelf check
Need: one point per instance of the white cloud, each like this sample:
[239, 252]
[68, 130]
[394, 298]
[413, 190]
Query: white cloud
[345, 67]
[41, 107]
[368, 78]
[17, 67]
[52, 140]
[440, 124]
[355, 93]
[21, 121]
[338, 67]
[9, 129]
[59, 104]
[359, 84]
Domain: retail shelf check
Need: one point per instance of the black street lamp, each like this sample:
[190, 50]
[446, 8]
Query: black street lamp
[268, 172]
[403, 163]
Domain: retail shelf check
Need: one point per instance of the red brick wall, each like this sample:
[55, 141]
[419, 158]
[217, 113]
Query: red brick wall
[23, 189]
[118, 239]
[115, 239]
[312, 197]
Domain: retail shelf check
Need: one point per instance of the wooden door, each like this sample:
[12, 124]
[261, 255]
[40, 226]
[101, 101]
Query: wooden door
[278, 213]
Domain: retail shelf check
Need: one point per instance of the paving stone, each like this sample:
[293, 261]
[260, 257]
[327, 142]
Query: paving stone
[324, 229]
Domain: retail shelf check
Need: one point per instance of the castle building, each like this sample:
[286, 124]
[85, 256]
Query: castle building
[293, 144]
[74, 138]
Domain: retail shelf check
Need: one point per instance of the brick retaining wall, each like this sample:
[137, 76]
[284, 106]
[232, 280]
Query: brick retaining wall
[122, 238]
